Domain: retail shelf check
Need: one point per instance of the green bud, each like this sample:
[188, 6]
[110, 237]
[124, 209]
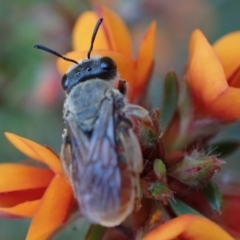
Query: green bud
[160, 192]
[196, 169]
[160, 169]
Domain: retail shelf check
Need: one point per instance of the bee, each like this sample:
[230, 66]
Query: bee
[100, 153]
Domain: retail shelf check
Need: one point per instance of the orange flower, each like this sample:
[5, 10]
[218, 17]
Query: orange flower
[188, 227]
[113, 40]
[214, 76]
[28, 191]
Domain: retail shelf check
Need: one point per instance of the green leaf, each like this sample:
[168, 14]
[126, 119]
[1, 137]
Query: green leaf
[170, 99]
[180, 208]
[225, 148]
[159, 167]
[95, 232]
[214, 196]
[73, 229]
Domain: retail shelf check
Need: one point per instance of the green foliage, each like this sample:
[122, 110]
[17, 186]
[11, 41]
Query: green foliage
[159, 167]
[170, 99]
[75, 230]
[180, 208]
[214, 196]
[95, 232]
[225, 148]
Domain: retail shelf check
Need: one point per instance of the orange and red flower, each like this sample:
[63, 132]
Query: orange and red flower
[113, 39]
[214, 75]
[29, 191]
[44, 195]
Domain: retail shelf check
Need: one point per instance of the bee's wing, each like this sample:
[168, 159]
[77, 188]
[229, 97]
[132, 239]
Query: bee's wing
[102, 176]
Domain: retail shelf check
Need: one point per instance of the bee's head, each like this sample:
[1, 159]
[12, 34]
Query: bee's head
[91, 68]
[98, 67]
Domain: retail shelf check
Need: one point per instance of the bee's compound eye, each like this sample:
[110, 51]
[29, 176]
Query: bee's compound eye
[65, 81]
[107, 64]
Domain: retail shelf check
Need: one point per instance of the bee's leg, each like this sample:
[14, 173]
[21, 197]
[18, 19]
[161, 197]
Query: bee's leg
[139, 196]
[122, 87]
[139, 112]
[65, 156]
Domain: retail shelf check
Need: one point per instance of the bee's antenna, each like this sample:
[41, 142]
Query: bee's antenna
[93, 36]
[41, 47]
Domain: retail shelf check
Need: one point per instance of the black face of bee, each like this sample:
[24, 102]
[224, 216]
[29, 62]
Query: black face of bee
[103, 68]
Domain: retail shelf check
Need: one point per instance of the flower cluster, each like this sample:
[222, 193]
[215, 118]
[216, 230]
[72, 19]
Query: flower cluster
[30, 191]
[213, 75]
[180, 195]
[115, 44]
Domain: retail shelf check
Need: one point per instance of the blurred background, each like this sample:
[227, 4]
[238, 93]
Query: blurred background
[31, 97]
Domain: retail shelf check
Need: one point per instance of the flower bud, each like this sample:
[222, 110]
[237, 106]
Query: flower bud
[160, 192]
[160, 170]
[196, 169]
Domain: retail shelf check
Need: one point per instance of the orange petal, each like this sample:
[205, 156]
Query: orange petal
[125, 65]
[116, 32]
[228, 50]
[171, 229]
[188, 227]
[83, 30]
[205, 73]
[144, 60]
[227, 105]
[10, 199]
[234, 79]
[65, 66]
[16, 177]
[35, 151]
[26, 209]
[53, 209]
[211, 231]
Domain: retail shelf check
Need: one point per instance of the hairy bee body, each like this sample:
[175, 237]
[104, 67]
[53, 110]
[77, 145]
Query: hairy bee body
[100, 152]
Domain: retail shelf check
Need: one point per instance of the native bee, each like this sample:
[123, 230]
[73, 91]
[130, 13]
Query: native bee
[100, 153]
